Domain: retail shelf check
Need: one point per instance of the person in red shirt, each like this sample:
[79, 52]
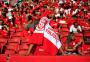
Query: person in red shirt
[73, 43]
[27, 32]
[4, 32]
[84, 49]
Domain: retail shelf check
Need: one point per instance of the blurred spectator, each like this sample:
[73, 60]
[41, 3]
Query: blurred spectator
[1, 24]
[72, 44]
[75, 28]
[84, 49]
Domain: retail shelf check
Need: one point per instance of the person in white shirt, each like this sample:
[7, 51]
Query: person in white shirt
[1, 24]
[75, 28]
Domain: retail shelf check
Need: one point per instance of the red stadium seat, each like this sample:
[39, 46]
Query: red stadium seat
[64, 29]
[14, 40]
[22, 52]
[79, 35]
[64, 33]
[64, 39]
[87, 33]
[9, 52]
[2, 58]
[3, 41]
[12, 49]
[63, 25]
[25, 40]
[17, 34]
[12, 31]
[23, 49]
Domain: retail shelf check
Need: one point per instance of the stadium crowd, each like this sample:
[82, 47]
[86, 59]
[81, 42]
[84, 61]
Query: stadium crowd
[70, 20]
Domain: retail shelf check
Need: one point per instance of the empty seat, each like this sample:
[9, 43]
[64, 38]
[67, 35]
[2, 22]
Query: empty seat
[9, 52]
[64, 34]
[64, 29]
[14, 40]
[12, 49]
[2, 58]
[79, 35]
[87, 33]
[12, 31]
[17, 34]
[63, 25]
[26, 40]
[23, 49]
[3, 41]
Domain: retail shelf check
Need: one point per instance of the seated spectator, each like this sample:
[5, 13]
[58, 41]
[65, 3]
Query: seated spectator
[4, 32]
[75, 28]
[84, 49]
[72, 44]
[27, 32]
[3, 29]
[1, 24]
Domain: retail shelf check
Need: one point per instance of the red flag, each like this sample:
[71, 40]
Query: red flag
[49, 39]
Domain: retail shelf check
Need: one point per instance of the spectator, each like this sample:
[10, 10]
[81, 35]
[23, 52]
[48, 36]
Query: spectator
[1, 24]
[75, 28]
[84, 49]
[72, 44]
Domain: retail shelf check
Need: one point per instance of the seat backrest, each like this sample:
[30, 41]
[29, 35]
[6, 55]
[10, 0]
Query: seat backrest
[14, 40]
[3, 40]
[24, 47]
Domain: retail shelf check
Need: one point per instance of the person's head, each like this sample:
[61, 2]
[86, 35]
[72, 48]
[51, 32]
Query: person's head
[37, 11]
[50, 14]
[3, 14]
[29, 18]
[4, 28]
[5, 10]
[1, 22]
[75, 24]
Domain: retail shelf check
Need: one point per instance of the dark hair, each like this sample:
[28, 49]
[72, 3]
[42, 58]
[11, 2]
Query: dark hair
[75, 23]
[4, 14]
[29, 17]
[2, 21]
